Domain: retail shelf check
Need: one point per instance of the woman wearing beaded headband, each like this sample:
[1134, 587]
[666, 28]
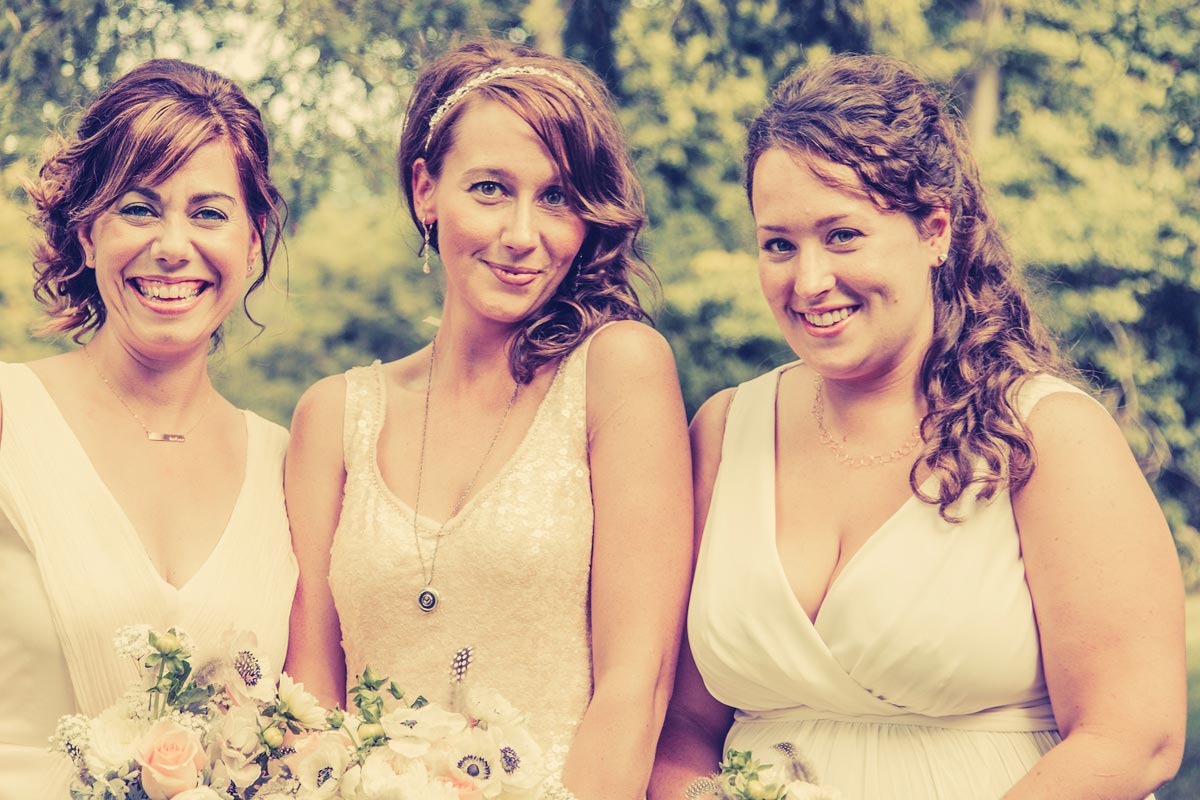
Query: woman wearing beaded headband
[131, 492]
[881, 520]
[520, 485]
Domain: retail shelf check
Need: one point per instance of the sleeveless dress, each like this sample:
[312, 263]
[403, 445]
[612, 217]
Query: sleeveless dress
[921, 676]
[75, 571]
[512, 569]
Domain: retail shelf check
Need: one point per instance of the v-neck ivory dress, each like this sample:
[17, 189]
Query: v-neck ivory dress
[74, 571]
[921, 676]
[512, 567]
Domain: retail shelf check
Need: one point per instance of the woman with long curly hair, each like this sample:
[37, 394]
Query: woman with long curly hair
[929, 566]
[131, 492]
[521, 484]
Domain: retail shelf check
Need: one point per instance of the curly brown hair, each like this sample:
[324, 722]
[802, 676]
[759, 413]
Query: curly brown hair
[140, 129]
[876, 115]
[571, 111]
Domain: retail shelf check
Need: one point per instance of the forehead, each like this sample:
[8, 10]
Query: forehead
[490, 134]
[805, 180]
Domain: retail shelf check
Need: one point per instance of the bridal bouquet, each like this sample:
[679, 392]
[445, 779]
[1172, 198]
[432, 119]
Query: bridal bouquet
[742, 777]
[409, 748]
[209, 733]
[223, 731]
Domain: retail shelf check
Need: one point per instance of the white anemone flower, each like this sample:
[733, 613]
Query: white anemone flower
[412, 730]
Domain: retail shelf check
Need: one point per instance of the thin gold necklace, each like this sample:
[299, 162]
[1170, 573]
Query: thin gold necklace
[839, 448]
[154, 436]
[428, 598]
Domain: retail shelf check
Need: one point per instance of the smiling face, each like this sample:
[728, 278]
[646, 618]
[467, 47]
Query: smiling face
[506, 231]
[171, 259]
[849, 283]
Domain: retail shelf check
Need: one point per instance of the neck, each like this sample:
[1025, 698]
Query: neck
[893, 402]
[471, 357]
[177, 383]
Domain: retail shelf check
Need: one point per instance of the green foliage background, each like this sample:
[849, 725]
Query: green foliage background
[1084, 116]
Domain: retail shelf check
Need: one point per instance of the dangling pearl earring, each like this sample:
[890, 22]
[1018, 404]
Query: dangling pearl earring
[425, 248]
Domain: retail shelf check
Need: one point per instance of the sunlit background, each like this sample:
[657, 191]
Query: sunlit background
[1084, 117]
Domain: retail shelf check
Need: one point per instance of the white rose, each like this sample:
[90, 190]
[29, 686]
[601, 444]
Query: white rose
[112, 741]
[199, 793]
[236, 746]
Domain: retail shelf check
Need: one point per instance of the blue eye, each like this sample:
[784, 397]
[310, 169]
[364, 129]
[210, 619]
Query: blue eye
[778, 246]
[139, 210]
[555, 197]
[843, 236]
[211, 215]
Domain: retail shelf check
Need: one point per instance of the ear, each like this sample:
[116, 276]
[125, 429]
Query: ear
[84, 235]
[256, 249]
[423, 187]
[938, 233]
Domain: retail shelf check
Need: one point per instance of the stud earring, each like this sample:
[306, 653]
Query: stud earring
[941, 259]
[425, 248]
[249, 270]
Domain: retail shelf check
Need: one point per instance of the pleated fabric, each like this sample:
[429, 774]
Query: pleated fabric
[76, 570]
[921, 676]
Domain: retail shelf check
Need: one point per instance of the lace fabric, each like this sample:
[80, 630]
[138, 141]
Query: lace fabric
[513, 566]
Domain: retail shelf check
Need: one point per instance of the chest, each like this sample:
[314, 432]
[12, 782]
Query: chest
[178, 499]
[826, 513]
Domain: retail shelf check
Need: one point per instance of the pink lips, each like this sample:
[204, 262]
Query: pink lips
[513, 276]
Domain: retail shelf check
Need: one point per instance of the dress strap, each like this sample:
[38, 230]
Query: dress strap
[364, 415]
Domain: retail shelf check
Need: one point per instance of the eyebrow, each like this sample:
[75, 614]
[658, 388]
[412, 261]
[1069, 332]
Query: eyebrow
[821, 223]
[477, 173]
[201, 197]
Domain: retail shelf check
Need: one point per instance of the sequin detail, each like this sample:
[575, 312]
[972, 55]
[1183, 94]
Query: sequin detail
[513, 568]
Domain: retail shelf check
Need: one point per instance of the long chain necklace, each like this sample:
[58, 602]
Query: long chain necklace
[839, 448]
[428, 598]
[154, 436]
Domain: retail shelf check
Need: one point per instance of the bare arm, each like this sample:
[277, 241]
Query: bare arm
[641, 554]
[314, 475]
[1108, 595]
[696, 724]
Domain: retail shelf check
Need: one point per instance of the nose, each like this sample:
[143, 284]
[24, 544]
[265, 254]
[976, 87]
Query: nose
[520, 228]
[172, 246]
[813, 274]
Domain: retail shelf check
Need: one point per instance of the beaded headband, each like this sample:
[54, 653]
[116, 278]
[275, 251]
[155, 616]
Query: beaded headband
[499, 72]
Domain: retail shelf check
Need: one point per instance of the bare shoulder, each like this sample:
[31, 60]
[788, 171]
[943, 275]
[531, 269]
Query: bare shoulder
[628, 348]
[1066, 422]
[708, 425]
[322, 406]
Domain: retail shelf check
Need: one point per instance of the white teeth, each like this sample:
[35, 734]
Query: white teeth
[829, 317]
[157, 290]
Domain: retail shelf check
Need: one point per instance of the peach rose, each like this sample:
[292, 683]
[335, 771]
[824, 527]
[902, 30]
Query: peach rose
[171, 757]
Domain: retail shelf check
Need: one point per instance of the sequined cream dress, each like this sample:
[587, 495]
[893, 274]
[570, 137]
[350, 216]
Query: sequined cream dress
[75, 570]
[921, 677]
[512, 569]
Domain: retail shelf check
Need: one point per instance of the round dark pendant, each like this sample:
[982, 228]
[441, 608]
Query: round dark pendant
[428, 599]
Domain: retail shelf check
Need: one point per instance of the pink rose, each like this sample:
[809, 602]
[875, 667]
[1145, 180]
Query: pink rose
[171, 758]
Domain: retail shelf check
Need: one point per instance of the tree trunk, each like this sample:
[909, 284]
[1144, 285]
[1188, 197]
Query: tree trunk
[984, 111]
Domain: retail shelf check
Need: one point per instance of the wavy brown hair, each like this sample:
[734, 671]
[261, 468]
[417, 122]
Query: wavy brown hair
[140, 130]
[876, 115]
[588, 147]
